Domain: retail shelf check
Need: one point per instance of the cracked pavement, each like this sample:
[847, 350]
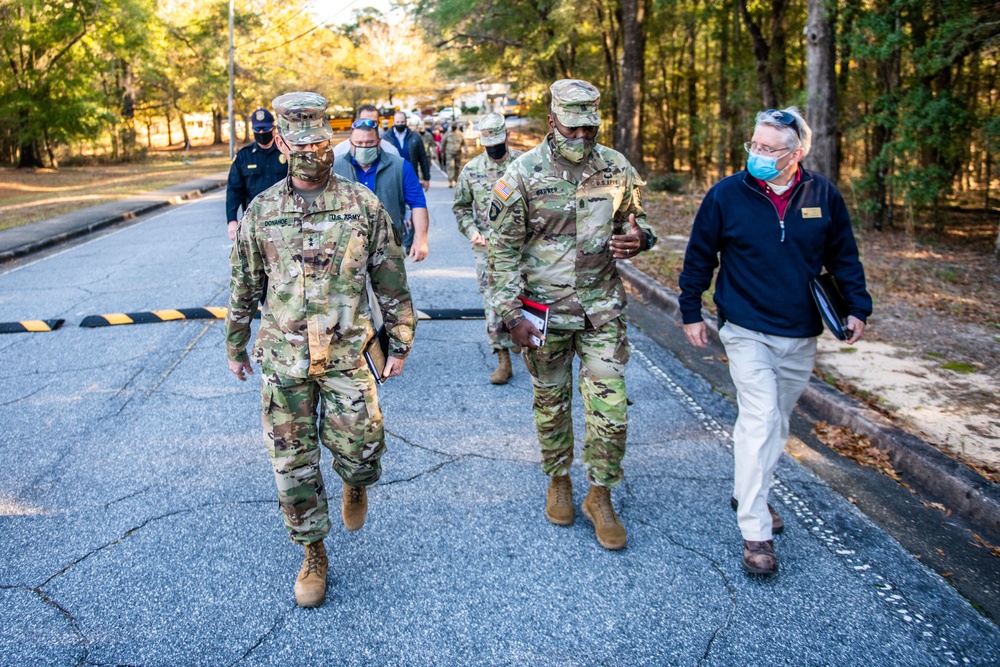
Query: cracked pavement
[139, 520]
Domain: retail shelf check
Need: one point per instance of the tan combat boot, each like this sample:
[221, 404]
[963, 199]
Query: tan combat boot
[310, 586]
[354, 507]
[598, 508]
[559, 501]
[504, 371]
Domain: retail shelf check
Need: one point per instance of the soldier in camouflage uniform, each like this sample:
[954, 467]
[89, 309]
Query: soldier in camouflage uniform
[561, 215]
[318, 239]
[472, 205]
[453, 147]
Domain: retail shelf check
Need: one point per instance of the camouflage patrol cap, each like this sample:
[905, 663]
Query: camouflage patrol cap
[302, 118]
[492, 130]
[575, 103]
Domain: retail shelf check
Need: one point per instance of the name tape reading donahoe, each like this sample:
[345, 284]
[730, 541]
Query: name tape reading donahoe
[30, 326]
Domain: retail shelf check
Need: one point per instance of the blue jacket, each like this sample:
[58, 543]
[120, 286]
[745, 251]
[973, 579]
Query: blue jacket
[766, 263]
[253, 170]
[415, 152]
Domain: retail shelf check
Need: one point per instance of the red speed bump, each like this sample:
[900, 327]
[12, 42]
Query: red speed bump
[30, 325]
[113, 319]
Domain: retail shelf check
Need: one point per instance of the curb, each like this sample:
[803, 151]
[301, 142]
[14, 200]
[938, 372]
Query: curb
[965, 491]
[99, 223]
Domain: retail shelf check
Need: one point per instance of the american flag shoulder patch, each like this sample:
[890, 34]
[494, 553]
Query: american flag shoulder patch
[502, 190]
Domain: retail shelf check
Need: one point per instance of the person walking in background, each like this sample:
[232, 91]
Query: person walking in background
[439, 143]
[769, 229]
[453, 146]
[255, 168]
[427, 137]
[318, 239]
[562, 214]
[472, 205]
[366, 112]
[410, 148]
[393, 181]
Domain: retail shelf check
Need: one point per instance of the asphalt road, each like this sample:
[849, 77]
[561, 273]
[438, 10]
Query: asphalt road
[138, 522]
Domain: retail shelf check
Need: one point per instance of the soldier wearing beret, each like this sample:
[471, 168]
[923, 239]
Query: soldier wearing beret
[562, 214]
[319, 240]
[472, 205]
[255, 168]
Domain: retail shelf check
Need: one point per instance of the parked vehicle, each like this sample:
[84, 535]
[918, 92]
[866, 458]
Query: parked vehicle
[514, 107]
[448, 114]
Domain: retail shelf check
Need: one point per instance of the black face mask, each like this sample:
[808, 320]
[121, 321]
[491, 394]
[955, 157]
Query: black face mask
[496, 152]
[399, 128]
[263, 138]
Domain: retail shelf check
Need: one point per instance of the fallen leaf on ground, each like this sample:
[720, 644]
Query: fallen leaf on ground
[855, 446]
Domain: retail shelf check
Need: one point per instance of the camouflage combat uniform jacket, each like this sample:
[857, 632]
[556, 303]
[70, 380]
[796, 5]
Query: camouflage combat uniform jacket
[316, 259]
[475, 190]
[551, 236]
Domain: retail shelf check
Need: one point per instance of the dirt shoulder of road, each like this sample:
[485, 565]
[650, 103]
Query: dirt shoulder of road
[29, 195]
[930, 359]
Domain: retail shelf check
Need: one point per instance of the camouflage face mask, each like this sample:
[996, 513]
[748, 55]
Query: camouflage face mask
[309, 166]
[575, 150]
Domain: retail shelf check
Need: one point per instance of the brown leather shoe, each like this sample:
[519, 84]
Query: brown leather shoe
[310, 585]
[777, 525]
[759, 558]
[354, 507]
[607, 526]
[559, 501]
[504, 370]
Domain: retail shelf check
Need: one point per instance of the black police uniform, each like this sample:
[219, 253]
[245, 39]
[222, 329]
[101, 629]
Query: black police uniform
[254, 170]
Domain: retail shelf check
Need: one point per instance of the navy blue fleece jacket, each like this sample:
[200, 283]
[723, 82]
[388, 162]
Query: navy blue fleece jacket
[765, 262]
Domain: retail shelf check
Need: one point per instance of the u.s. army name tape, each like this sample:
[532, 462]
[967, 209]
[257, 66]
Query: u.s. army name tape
[30, 325]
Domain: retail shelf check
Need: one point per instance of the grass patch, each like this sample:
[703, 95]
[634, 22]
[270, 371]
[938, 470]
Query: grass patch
[849, 350]
[29, 195]
[959, 367]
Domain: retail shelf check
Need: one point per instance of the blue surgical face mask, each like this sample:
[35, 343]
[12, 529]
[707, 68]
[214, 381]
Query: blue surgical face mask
[764, 168]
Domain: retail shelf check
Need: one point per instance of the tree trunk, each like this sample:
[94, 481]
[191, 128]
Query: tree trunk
[170, 131]
[724, 109]
[694, 127]
[128, 110]
[633, 74]
[217, 126]
[762, 58]
[821, 87]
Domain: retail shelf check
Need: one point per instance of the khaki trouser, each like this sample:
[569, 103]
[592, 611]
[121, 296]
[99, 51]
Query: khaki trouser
[770, 373]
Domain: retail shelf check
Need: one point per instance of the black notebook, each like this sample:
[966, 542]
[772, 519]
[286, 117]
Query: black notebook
[377, 352]
[831, 304]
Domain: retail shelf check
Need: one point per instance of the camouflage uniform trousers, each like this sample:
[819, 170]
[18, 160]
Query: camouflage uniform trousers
[454, 166]
[499, 339]
[350, 426]
[603, 353]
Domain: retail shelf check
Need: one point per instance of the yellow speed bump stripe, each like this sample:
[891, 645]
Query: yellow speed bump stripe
[30, 325]
[111, 319]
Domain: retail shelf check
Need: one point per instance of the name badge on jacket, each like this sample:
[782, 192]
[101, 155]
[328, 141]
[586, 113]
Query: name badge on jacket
[812, 213]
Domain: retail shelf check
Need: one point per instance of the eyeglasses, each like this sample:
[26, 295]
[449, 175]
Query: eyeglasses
[785, 118]
[364, 124]
[751, 147]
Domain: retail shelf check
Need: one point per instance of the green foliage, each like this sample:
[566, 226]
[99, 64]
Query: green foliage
[669, 182]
